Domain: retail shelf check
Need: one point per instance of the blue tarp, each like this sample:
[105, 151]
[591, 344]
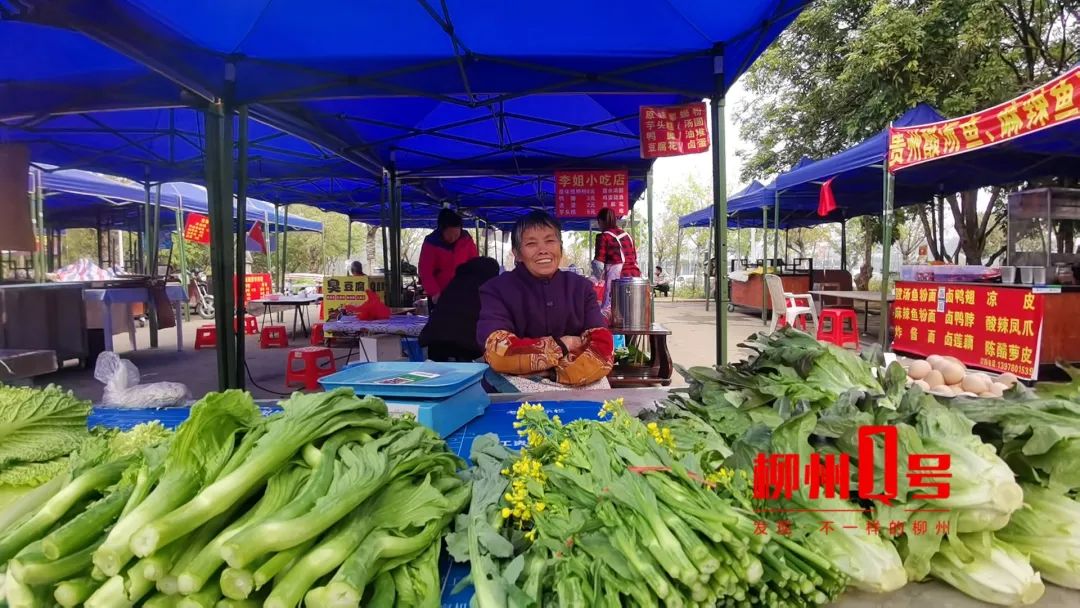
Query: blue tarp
[858, 171]
[797, 206]
[78, 199]
[295, 49]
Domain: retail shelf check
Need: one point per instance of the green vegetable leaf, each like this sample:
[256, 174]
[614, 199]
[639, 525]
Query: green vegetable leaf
[40, 424]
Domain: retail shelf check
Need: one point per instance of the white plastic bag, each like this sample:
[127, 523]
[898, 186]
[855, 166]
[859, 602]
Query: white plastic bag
[122, 388]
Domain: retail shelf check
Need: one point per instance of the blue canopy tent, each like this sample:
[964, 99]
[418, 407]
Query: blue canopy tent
[266, 59]
[858, 177]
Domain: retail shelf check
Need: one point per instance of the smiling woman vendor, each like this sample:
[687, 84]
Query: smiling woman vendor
[538, 320]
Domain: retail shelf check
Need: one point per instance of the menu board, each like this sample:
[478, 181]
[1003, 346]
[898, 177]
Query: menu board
[582, 194]
[339, 292]
[673, 130]
[256, 286]
[197, 228]
[986, 326]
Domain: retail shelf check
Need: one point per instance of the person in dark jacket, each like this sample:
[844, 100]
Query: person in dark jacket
[450, 334]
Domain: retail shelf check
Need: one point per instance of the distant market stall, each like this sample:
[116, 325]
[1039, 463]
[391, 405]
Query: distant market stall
[1028, 320]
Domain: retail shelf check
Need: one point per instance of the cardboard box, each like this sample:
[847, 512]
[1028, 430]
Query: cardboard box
[380, 347]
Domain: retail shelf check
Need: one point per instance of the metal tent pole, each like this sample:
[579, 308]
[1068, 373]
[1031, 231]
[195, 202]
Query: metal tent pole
[155, 250]
[649, 204]
[776, 226]
[384, 219]
[678, 250]
[285, 248]
[764, 263]
[886, 252]
[213, 164]
[708, 277]
[843, 244]
[719, 168]
[145, 249]
[183, 250]
[275, 269]
[348, 240]
[239, 379]
[394, 235]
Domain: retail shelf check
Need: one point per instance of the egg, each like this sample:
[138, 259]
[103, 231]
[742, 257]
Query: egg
[1007, 379]
[998, 388]
[988, 395]
[922, 384]
[952, 372]
[975, 383]
[919, 369]
[952, 359]
[966, 394]
[935, 361]
[934, 379]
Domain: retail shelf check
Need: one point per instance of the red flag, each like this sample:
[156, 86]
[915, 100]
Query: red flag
[826, 200]
[256, 239]
[197, 228]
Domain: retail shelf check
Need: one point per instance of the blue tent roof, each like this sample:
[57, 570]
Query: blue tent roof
[744, 207]
[293, 49]
[858, 171]
[80, 199]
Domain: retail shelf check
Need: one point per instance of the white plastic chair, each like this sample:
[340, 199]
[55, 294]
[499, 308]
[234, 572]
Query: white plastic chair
[780, 303]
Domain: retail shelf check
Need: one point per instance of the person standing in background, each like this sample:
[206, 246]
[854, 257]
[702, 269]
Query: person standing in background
[615, 255]
[448, 247]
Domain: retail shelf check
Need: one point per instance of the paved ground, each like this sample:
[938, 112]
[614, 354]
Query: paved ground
[693, 342]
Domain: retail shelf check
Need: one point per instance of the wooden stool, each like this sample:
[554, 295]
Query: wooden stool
[274, 336]
[251, 325]
[318, 337]
[831, 327]
[206, 336]
[314, 363]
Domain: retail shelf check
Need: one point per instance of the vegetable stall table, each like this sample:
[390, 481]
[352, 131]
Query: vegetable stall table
[298, 303]
[866, 297]
[408, 326]
[108, 298]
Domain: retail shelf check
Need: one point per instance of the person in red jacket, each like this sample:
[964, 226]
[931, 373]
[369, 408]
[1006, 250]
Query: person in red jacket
[448, 247]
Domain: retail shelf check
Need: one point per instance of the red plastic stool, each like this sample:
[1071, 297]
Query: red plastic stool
[273, 336]
[831, 327]
[315, 362]
[251, 325]
[318, 337]
[206, 336]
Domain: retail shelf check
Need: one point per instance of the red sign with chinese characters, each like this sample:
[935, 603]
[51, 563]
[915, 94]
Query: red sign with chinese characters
[197, 228]
[581, 194]
[1053, 103]
[673, 130]
[256, 286]
[986, 326]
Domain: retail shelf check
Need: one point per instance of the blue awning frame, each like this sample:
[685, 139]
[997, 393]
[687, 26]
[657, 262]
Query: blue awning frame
[706, 52]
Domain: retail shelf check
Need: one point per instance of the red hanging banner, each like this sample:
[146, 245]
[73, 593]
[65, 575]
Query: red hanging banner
[674, 130]
[991, 327]
[582, 194]
[197, 228]
[1053, 103]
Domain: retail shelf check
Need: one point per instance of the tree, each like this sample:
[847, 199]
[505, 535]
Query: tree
[683, 199]
[845, 68]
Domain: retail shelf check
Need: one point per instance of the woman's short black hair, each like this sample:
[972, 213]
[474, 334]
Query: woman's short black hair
[356, 268]
[660, 269]
[448, 218]
[534, 219]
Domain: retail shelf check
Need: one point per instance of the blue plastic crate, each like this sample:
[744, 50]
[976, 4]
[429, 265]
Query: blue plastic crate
[426, 380]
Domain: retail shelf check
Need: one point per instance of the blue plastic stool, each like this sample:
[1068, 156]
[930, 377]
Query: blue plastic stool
[412, 349]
